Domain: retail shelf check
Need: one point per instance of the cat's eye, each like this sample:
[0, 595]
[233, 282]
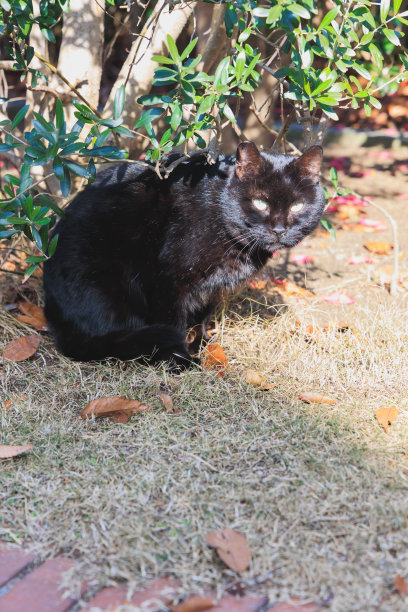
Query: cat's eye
[260, 205]
[297, 207]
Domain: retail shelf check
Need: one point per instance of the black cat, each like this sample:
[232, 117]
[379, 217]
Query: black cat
[139, 260]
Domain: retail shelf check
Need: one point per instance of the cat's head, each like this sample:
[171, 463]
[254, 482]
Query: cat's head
[274, 201]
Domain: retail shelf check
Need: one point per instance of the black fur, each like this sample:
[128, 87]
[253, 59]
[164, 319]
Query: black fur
[139, 260]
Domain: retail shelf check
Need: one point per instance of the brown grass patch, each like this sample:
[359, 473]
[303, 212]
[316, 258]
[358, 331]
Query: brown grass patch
[320, 491]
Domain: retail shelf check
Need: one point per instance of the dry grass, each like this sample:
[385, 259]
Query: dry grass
[319, 491]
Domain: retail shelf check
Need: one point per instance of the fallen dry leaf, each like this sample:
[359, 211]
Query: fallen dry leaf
[215, 359]
[195, 603]
[167, 401]
[232, 548]
[6, 452]
[290, 289]
[33, 315]
[119, 408]
[295, 607]
[401, 585]
[379, 248]
[22, 348]
[254, 378]
[385, 416]
[315, 398]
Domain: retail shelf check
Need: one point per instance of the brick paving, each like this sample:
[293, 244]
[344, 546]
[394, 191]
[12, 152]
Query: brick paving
[30, 586]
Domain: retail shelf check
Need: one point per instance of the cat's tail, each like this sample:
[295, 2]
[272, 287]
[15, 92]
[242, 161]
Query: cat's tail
[151, 343]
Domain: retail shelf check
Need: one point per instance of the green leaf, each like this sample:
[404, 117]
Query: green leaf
[52, 245]
[188, 49]
[65, 183]
[397, 5]
[274, 14]
[75, 168]
[366, 38]
[376, 54]
[205, 105]
[298, 10]
[227, 111]
[328, 18]
[230, 19]
[333, 176]
[384, 8]
[176, 117]
[59, 114]
[374, 102]
[325, 85]
[161, 59]
[6, 5]
[58, 168]
[245, 35]
[392, 37]
[240, 64]
[148, 117]
[149, 100]
[19, 116]
[221, 73]
[261, 12]
[48, 34]
[173, 49]
[119, 102]
[362, 71]
[328, 227]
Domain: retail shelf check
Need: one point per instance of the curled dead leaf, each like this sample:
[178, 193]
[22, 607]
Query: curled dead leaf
[119, 408]
[32, 315]
[232, 548]
[385, 416]
[290, 289]
[215, 359]
[315, 398]
[379, 248]
[6, 451]
[254, 378]
[195, 603]
[401, 585]
[167, 401]
[22, 348]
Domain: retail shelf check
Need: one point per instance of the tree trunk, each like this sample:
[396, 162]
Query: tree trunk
[80, 57]
[137, 71]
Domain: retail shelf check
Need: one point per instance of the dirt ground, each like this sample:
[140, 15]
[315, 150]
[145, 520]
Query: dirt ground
[320, 491]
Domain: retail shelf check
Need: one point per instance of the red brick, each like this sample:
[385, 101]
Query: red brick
[39, 591]
[12, 561]
[160, 590]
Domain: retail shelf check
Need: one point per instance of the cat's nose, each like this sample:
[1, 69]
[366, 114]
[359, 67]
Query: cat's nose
[279, 230]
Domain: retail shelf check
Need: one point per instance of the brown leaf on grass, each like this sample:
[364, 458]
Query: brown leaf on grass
[232, 548]
[33, 315]
[6, 451]
[291, 289]
[379, 248]
[22, 348]
[315, 398]
[385, 416]
[167, 401]
[119, 408]
[215, 359]
[253, 377]
[195, 603]
[401, 585]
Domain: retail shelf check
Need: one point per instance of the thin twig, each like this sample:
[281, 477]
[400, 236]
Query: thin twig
[283, 131]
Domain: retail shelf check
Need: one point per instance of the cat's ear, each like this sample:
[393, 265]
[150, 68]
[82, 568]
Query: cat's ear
[249, 163]
[309, 163]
